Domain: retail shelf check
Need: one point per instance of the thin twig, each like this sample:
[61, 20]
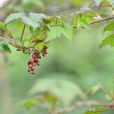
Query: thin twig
[10, 41]
[99, 20]
[102, 20]
[78, 105]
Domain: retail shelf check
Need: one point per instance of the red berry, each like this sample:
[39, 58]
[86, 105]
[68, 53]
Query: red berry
[44, 51]
[33, 62]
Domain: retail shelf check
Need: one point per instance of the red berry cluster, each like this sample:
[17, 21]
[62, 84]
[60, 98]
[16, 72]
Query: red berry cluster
[34, 60]
[44, 51]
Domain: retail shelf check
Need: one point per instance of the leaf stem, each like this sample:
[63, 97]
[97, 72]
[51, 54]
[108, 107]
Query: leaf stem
[23, 32]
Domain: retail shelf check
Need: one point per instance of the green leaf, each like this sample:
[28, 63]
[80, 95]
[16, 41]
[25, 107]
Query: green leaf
[54, 32]
[82, 20]
[34, 19]
[65, 91]
[16, 28]
[14, 16]
[109, 40]
[68, 32]
[37, 17]
[54, 20]
[109, 27]
[3, 26]
[4, 47]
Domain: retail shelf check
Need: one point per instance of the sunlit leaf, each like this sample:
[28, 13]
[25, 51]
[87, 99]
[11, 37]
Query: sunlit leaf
[82, 20]
[16, 29]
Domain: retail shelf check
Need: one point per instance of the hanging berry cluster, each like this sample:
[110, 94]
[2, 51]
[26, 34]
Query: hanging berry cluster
[35, 58]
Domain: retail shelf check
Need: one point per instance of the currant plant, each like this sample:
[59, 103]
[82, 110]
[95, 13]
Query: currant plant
[35, 31]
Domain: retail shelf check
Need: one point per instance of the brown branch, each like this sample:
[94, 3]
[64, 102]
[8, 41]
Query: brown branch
[102, 20]
[19, 47]
[99, 20]
[78, 105]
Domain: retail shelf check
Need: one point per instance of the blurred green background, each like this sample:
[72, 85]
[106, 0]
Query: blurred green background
[72, 71]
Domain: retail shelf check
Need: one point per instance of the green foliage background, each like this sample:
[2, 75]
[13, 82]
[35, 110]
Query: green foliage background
[87, 68]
